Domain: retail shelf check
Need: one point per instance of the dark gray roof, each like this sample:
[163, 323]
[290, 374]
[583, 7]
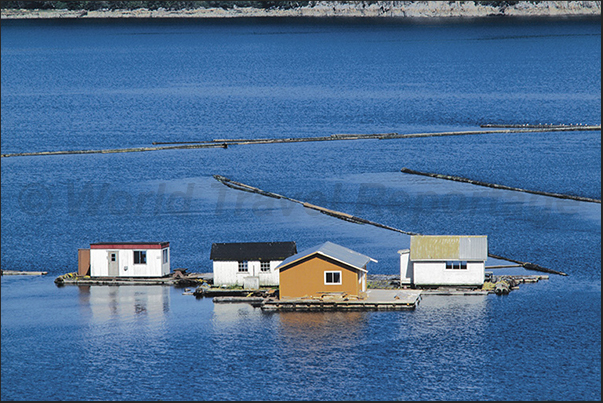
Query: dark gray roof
[334, 251]
[252, 251]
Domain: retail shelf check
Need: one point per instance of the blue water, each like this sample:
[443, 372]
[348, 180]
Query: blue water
[69, 85]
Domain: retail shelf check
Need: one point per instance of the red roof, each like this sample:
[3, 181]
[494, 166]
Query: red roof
[129, 245]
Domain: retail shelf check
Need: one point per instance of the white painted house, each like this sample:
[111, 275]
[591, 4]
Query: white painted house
[247, 263]
[129, 259]
[435, 260]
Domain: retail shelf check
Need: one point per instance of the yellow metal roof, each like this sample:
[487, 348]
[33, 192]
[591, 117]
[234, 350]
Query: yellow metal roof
[448, 247]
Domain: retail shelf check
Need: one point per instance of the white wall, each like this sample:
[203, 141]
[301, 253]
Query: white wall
[405, 268]
[165, 267]
[99, 263]
[227, 273]
[435, 273]
[362, 281]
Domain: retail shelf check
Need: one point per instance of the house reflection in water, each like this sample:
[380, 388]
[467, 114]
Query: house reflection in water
[124, 302]
[321, 321]
[317, 339]
[234, 313]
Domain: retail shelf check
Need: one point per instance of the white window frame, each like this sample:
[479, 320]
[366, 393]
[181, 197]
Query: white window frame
[165, 256]
[456, 265]
[243, 264]
[264, 266]
[333, 272]
[142, 255]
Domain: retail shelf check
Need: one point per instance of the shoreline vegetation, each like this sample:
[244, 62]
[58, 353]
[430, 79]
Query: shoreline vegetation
[237, 9]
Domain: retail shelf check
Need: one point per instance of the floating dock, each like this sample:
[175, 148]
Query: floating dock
[255, 301]
[177, 279]
[230, 294]
[375, 300]
[22, 273]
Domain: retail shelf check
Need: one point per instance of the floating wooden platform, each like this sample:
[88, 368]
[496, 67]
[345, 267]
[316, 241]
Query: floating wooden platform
[500, 284]
[376, 300]
[190, 279]
[216, 292]
[249, 300]
[22, 273]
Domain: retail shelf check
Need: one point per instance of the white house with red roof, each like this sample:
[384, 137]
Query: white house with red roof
[129, 259]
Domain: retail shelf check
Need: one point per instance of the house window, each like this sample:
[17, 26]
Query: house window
[456, 265]
[165, 256]
[333, 277]
[264, 266]
[243, 268]
[140, 257]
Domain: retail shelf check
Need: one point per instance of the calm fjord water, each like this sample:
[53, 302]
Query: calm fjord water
[69, 85]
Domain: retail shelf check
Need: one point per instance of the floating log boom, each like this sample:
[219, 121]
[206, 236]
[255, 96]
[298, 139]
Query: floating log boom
[538, 126]
[224, 143]
[337, 214]
[348, 217]
[497, 186]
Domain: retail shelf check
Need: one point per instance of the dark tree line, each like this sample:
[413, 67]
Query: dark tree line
[180, 5]
[150, 5]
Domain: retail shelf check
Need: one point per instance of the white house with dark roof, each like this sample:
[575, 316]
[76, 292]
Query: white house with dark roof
[242, 262]
[126, 259]
[442, 260]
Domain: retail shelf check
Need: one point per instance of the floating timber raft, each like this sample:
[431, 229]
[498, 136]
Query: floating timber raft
[189, 279]
[22, 273]
[496, 186]
[348, 217]
[230, 295]
[393, 297]
[310, 305]
[224, 143]
[375, 300]
[249, 300]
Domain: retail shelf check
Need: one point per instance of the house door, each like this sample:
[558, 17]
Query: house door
[113, 263]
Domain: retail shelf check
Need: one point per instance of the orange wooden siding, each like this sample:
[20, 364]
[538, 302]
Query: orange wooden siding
[307, 278]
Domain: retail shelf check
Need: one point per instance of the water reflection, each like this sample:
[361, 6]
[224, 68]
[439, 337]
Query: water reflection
[320, 322]
[232, 313]
[318, 341]
[476, 303]
[462, 314]
[105, 303]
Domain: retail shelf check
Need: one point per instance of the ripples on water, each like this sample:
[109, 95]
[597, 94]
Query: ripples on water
[130, 343]
[114, 84]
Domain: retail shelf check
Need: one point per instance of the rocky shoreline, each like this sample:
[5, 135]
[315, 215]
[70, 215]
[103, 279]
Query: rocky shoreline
[396, 9]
